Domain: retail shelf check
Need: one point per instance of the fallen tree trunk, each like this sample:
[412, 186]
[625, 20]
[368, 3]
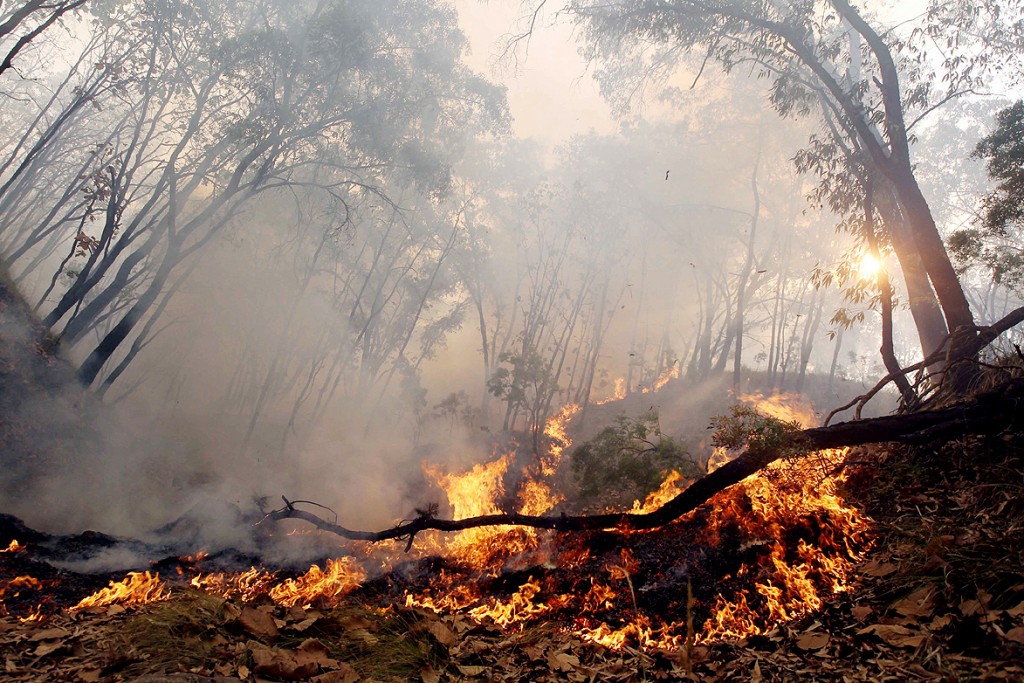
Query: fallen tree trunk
[985, 413]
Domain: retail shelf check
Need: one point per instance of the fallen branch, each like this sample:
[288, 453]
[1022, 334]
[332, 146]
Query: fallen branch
[983, 337]
[986, 413]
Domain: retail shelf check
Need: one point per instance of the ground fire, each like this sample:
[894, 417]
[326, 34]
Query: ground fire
[768, 550]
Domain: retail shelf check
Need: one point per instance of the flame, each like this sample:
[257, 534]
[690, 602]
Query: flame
[673, 485]
[13, 547]
[664, 378]
[341, 577]
[801, 541]
[556, 429]
[245, 586]
[618, 393]
[138, 588]
[35, 616]
[788, 407]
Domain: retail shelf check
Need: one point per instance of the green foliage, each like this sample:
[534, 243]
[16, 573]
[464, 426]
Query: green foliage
[628, 460]
[995, 242]
[523, 379]
[746, 428]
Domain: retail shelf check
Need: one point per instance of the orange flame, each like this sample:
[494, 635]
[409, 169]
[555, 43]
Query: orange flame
[13, 547]
[786, 578]
[244, 586]
[341, 577]
[618, 393]
[138, 588]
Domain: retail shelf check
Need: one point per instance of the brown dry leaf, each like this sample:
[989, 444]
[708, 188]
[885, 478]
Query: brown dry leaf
[470, 670]
[428, 675]
[563, 661]
[909, 607]
[755, 674]
[534, 652]
[1013, 612]
[312, 650]
[1015, 634]
[49, 634]
[971, 607]
[812, 640]
[874, 568]
[89, 675]
[281, 663]
[115, 609]
[243, 672]
[302, 625]
[231, 611]
[258, 622]
[442, 633]
[48, 648]
[940, 622]
[894, 634]
[344, 674]
[861, 612]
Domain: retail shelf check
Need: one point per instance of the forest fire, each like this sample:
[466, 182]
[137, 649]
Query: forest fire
[763, 552]
[767, 550]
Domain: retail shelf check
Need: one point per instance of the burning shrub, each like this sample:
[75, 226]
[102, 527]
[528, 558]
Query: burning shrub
[748, 428]
[628, 460]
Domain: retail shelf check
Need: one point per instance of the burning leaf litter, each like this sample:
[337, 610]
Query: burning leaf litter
[726, 593]
[797, 538]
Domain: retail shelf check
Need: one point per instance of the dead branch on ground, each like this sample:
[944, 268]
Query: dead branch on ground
[986, 413]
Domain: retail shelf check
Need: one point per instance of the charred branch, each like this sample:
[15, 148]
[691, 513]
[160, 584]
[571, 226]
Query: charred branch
[986, 413]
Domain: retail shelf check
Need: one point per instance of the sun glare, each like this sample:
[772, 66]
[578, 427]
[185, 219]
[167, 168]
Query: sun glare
[869, 266]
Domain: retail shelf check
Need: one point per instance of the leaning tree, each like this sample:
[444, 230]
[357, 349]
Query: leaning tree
[869, 86]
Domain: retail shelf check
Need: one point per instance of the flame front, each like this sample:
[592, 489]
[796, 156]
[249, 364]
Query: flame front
[798, 542]
[137, 588]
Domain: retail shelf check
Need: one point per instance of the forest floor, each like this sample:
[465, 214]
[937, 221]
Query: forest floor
[939, 598]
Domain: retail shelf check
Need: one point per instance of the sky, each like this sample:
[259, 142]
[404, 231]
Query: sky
[550, 90]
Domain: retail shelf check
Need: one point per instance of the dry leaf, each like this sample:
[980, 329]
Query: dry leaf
[861, 612]
[303, 625]
[442, 633]
[344, 674]
[243, 672]
[812, 641]
[895, 635]
[48, 648]
[471, 670]
[355, 622]
[312, 650]
[258, 622]
[874, 568]
[281, 663]
[971, 607]
[363, 635]
[562, 661]
[428, 675]
[1016, 635]
[89, 675]
[49, 634]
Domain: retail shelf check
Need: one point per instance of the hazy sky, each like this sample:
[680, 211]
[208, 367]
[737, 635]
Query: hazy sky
[550, 90]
